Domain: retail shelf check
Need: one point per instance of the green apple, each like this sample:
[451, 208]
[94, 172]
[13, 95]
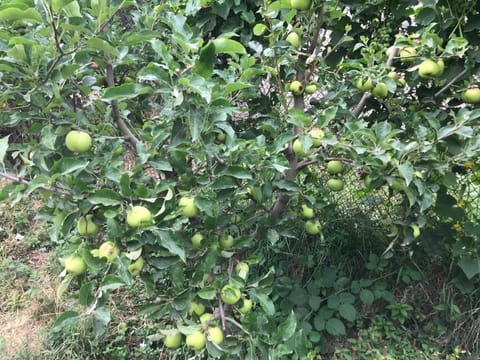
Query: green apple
[471, 95]
[393, 75]
[207, 318]
[197, 308]
[415, 230]
[397, 184]
[312, 227]
[108, 250]
[298, 149]
[78, 141]
[215, 335]
[227, 242]
[246, 306]
[310, 89]
[75, 265]
[408, 54]
[334, 167]
[196, 340]
[296, 87]
[189, 209]
[86, 226]
[173, 341]
[365, 84]
[317, 136]
[197, 240]
[293, 39]
[335, 184]
[221, 137]
[236, 219]
[402, 82]
[380, 90]
[136, 267]
[429, 69]
[441, 67]
[139, 216]
[242, 269]
[230, 295]
[307, 212]
[301, 4]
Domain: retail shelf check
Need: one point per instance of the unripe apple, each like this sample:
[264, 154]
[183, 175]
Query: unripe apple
[86, 226]
[230, 295]
[108, 250]
[471, 95]
[312, 227]
[393, 75]
[441, 67]
[215, 335]
[136, 267]
[197, 241]
[196, 340]
[310, 89]
[408, 54]
[78, 141]
[296, 87]
[317, 135]
[139, 216]
[173, 341]
[301, 4]
[429, 69]
[75, 265]
[307, 212]
[335, 184]
[189, 209]
[221, 137]
[380, 90]
[242, 269]
[298, 149]
[334, 167]
[226, 242]
[293, 39]
[197, 308]
[207, 318]
[246, 306]
[365, 84]
[397, 184]
[415, 230]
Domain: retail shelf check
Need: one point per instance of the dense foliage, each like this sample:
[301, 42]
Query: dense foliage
[216, 133]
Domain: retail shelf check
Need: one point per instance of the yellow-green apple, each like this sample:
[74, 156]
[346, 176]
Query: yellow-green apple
[310, 89]
[312, 227]
[173, 341]
[335, 184]
[380, 90]
[197, 240]
[196, 340]
[293, 39]
[139, 216]
[471, 95]
[197, 308]
[78, 141]
[408, 54]
[189, 209]
[429, 69]
[108, 250]
[230, 294]
[365, 84]
[296, 87]
[215, 335]
[298, 149]
[75, 265]
[307, 212]
[136, 267]
[317, 135]
[334, 167]
[226, 242]
[86, 226]
[301, 4]
[242, 269]
[246, 306]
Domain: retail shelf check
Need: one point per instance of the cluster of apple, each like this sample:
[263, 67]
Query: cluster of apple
[335, 168]
[312, 226]
[208, 328]
[316, 135]
[297, 88]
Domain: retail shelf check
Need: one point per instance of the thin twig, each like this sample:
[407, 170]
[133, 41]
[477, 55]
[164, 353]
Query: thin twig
[450, 83]
[24, 181]
[316, 33]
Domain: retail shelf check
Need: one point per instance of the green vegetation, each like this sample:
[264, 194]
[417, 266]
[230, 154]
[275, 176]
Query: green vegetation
[290, 179]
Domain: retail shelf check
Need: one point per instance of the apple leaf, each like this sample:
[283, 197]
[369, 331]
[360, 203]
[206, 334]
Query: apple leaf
[470, 266]
[228, 46]
[65, 319]
[3, 149]
[287, 328]
[168, 242]
[205, 63]
[105, 197]
[265, 302]
[126, 91]
[237, 172]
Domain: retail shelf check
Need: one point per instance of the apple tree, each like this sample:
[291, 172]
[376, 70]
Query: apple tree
[175, 142]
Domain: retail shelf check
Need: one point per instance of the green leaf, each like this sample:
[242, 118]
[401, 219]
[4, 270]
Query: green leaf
[205, 63]
[207, 293]
[287, 328]
[13, 14]
[101, 317]
[237, 172]
[126, 91]
[69, 165]
[100, 44]
[65, 319]
[235, 86]
[259, 29]
[3, 149]
[314, 301]
[167, 240]
[85, 296]
[228, 46]
[112, 282]
[367, 297]
[105, 197]
[335, 327]
[265, 302]
[348, 312]
[470, 266]
[64, 285]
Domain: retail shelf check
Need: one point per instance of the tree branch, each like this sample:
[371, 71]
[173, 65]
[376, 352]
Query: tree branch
[24, 181]
[450, 83]
[116, 111]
